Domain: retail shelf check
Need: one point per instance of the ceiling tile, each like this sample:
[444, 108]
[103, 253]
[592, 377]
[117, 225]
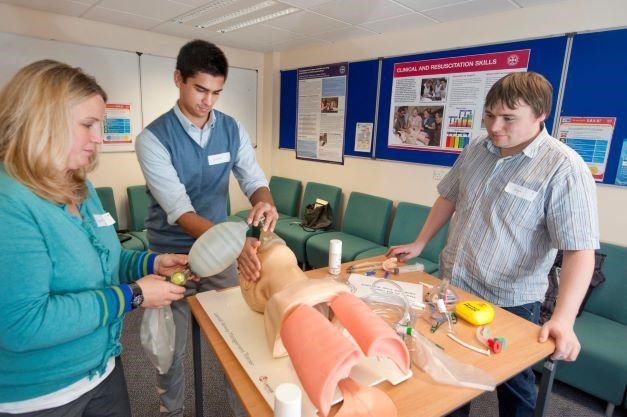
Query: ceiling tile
[409, 21]
[115, 17]
[156, 9]
[356, 11]
[469, 9]
[297, 43]
[262, 34]
[343, 34]
[419, 5]
[182, 31]
[307, 23]
[305, 4]
[250, 44]
[64, 7]
[193, 3]
[527, 3]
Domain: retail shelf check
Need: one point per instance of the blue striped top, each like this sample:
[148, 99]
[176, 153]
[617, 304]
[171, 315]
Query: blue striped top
[512, 214]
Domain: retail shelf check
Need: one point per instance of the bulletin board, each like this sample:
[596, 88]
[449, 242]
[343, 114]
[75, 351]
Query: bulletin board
[596, 86]
[546, 56]
[361, 102]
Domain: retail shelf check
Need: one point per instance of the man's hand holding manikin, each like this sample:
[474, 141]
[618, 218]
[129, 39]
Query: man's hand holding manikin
[263, 213]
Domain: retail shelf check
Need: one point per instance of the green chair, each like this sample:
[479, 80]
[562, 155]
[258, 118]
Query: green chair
[406, 226]
[364, 226]
[601, 368]
[285, 193]
[128, 241]
[138, 202]
[289, 229]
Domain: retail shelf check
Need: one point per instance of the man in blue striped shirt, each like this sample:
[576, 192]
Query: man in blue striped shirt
[518, 195]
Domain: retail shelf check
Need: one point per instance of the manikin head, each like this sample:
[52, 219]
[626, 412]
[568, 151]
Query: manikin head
[279, 269]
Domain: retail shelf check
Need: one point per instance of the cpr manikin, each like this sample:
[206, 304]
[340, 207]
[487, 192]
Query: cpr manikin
[322, 357]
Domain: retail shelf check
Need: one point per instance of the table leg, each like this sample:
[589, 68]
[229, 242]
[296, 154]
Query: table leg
[546, 385]
[197, 367]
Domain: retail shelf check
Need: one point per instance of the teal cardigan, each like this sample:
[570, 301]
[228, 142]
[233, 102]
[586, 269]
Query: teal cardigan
[61, 305]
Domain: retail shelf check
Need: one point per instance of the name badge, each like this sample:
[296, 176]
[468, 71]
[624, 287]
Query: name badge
[520, 191]
[219, 158]
[103, 220]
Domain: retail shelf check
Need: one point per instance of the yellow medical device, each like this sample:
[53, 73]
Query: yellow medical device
[475, 312]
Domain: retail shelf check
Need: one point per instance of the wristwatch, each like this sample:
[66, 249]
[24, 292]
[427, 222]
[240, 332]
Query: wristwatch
[138, 297]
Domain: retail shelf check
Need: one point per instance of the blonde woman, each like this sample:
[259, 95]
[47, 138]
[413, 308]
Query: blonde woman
[66, 282]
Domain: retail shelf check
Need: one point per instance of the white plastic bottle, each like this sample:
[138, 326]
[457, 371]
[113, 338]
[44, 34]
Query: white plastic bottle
[287, 400]
[335, 256]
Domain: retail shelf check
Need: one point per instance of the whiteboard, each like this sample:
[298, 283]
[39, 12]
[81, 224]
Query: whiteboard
[238, 99]
[116, 71]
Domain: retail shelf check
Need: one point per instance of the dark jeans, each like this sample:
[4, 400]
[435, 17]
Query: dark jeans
[517, 396]
[109, 399]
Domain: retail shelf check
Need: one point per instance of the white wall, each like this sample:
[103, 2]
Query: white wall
[82, 31]
[395, 180]
[414, 182]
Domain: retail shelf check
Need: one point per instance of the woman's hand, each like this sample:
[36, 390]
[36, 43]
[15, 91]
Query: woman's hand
[158, 292]
[168, 263]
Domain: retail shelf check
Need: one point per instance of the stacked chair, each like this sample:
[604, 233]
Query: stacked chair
[289, 229]
[105, 194]
[363, 228]
[406, 226]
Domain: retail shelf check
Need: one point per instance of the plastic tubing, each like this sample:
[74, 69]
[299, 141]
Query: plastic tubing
[469, 346]
[379, 295]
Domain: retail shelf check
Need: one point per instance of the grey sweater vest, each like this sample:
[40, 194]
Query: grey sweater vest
[206, 185]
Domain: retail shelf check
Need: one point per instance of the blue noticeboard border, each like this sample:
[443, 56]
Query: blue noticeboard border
[596, 86]
[361, 100]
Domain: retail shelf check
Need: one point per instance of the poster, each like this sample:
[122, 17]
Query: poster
[117, 124]
[363, 137]
[437, 104]
[321, 112]
[590, 137]
[621, 174]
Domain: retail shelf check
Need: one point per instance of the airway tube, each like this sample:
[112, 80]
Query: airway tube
[374, 336]
[321, 355]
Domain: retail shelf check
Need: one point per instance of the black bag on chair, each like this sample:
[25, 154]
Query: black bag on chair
[551, 293]
[317, 217]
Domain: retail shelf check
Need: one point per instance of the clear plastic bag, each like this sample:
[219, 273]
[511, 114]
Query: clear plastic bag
[445, 369]
[157, 335]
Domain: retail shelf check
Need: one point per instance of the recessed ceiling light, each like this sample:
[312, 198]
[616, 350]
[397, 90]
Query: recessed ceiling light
[235, 15]
[259, 19]
[216, 4]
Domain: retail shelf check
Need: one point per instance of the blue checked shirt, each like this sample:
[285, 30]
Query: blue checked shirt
[512, 214]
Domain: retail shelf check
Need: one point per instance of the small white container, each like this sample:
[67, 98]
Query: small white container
[335, 256]
[287, 400]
